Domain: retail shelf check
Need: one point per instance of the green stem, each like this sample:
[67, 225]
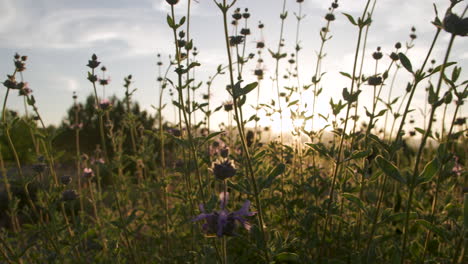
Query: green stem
[245, 149]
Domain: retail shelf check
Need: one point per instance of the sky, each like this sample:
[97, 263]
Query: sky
[59, 36]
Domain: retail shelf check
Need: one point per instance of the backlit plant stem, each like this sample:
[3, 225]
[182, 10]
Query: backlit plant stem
[184, 112]
[340, 148]
[394, 150]
[421, 148]
[224, 9]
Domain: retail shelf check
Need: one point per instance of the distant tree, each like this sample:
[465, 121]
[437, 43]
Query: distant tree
[21, 137]
[89, 124]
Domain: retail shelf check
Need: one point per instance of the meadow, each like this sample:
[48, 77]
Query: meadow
[373, 179]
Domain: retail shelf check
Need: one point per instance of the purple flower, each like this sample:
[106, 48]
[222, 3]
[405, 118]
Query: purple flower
[88, 173]
[223, 222]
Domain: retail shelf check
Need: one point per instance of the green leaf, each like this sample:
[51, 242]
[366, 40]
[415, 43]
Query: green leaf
[429, 171]
[320, 148]
[355, 200]
[434, 229]
[346, 74]
[346, 95]
[278, 170]
[350, 18]
[287, 257]
[210, 136]
[249, 87]
[181, 21]
[405, 62]
[359, 155]
[170, 21]
[389, 169]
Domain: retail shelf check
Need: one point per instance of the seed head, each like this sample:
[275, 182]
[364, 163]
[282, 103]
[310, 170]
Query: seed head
[93, 63]
[69, 195]
[330, 17]
[172, 2]
[224, 170]
[374, 80]
[65, 179]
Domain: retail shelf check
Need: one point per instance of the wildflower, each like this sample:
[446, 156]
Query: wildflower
[246, 13]
[457, 167]
[93, 63]
[259, 73]
[25, 90]
[236, 40]
[69, 195]
[455, 25]
[413, 35]
[260, 45]
[10, 82]
[20, 66]
[394, 56]
[260, 25]
[460, 121]
[39, 167]
[105, 104]
[374, 80]
[97, 161]
[223, 222]
[88, 173]
[104, 81]
[224, 170]
[175, 132]
[398, 45]
[224, 152]
[335, 4]
[181, 43]
[245, 31]
[237, 15]
[77, 126]
[377, 55]
[228, 106]
[65, 179]
[172, 2]
[330, 17]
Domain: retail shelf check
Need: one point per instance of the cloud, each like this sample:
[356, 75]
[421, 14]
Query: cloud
[7, 13]
[196, 7]
[136, 29]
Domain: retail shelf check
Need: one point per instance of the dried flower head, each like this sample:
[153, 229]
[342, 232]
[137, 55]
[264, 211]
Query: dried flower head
[374, 80]
[228, 106]
[93, 63]
[65, 179]
[39, 167]
[69, 195]
[172, 2]
[224, 170]
[330, 17]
